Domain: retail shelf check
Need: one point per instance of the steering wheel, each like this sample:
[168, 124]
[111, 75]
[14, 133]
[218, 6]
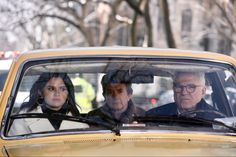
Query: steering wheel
[212, 112]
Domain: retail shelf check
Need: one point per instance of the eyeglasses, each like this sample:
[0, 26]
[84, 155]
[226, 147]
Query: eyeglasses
[190, 88]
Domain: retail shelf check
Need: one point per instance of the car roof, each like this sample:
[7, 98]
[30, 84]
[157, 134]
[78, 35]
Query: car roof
[126, 51]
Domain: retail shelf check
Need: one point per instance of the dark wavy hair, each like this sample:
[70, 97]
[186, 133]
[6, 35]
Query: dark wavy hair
[35, 97]
[116, 77]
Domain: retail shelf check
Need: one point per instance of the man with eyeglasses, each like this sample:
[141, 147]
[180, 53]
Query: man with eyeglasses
[189, 89]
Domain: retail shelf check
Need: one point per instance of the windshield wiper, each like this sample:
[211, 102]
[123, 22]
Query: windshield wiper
[182, 120]
[59, 116]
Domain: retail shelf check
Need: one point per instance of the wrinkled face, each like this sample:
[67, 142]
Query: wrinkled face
[117, 97]
[55, 93]
[188, 91]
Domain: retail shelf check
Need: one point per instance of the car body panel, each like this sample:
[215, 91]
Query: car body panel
[143, 143]
[134, 144]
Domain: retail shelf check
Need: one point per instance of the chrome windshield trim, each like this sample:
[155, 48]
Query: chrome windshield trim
[122, 132]
[43, 135]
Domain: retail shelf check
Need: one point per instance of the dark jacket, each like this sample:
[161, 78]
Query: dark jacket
[104, 114]
[171, 109]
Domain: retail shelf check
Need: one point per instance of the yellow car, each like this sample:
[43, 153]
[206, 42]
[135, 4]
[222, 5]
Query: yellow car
[140, 102]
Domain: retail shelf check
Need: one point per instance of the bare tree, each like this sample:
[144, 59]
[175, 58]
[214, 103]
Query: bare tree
[221, 26]
[141, 8]
[69, 23]
[226, 25]
[167, 25]
[81, 17]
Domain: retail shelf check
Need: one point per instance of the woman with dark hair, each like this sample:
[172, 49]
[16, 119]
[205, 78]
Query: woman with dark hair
[51, 93]
[42, 85]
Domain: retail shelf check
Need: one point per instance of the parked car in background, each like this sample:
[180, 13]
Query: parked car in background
[5, 65]
[150, 71]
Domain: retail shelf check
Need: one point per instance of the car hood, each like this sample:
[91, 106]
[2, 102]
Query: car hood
[125, 146]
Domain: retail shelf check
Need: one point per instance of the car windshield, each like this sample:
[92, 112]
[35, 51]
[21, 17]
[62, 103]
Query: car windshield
[124, 93]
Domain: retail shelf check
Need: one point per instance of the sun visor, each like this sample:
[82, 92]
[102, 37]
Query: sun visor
[128, 76]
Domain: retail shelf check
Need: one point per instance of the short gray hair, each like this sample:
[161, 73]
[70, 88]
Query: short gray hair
[199, 75]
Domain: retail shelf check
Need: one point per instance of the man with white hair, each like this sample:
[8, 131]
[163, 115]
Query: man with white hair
[189, 89]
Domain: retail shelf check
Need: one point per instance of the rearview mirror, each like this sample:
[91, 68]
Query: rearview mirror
[128, 76]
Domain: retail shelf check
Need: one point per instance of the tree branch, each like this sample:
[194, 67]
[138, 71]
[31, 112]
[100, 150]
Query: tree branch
[148, 24]
[226, 16]
[169, 34]
[134, 4]
[82, 29]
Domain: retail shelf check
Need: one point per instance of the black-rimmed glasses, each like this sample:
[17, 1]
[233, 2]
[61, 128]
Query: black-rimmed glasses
[190, 88]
